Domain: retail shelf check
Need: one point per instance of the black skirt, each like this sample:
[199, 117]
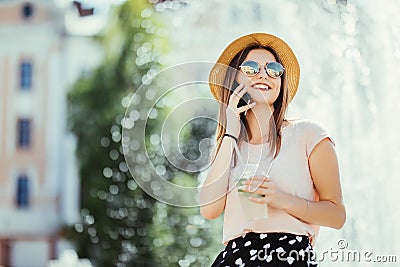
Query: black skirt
[267, 249]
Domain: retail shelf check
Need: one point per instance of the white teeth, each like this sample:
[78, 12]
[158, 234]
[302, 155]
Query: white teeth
[261, 86]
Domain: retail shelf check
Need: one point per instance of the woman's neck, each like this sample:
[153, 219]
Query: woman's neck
[258, 120]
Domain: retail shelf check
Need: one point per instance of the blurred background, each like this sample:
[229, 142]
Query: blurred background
[70, 71]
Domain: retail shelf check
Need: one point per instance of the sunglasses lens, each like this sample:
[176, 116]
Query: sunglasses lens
[274, 69]
[250, 68]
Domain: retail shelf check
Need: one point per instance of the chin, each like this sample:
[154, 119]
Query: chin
[265, 97]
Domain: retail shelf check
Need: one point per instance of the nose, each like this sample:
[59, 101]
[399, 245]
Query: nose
[263, 74]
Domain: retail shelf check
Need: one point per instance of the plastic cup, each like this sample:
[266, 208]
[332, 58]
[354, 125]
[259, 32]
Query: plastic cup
[251, 209]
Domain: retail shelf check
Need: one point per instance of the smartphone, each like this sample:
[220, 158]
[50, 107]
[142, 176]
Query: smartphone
[244, 100]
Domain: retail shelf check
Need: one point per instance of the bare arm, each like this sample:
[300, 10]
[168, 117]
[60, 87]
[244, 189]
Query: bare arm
[213, 192]
[329, 210]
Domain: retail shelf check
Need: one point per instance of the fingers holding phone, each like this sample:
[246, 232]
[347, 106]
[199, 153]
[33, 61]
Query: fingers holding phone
[236, 106]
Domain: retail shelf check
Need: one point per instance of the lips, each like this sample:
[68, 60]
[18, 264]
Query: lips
[261, 86]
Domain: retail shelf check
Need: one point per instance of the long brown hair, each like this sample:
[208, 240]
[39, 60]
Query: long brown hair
[280, 104]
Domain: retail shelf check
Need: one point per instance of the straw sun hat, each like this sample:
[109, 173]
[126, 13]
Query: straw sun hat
[285, 53]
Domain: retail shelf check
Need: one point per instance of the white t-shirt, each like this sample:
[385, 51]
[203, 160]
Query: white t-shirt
[291, 174]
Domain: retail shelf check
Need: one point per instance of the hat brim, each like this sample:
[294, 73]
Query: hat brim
[285, 53]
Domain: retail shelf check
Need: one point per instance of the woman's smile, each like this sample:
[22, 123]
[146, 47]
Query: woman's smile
[261, 86]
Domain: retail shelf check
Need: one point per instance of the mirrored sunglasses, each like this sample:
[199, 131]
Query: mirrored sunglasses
[251, 68]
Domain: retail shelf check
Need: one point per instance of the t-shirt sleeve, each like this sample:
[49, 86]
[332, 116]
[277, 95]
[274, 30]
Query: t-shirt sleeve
[315, 133]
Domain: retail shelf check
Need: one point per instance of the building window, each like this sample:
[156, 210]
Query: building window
[22, 191]
[26, 75]
[27, 11]
[24, 133]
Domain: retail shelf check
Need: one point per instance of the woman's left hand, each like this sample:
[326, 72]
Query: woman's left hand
[270, 193]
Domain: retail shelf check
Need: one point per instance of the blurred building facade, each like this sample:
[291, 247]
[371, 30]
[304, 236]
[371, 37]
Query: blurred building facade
[39, 186]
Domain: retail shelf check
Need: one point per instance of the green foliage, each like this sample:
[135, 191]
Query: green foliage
[115, 219]
[122, 225]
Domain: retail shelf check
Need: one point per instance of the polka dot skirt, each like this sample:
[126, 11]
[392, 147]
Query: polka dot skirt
[267, 249]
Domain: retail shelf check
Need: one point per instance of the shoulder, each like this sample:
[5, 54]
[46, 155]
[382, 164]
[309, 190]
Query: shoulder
[308, 125]
[307, 133]
[312, 131]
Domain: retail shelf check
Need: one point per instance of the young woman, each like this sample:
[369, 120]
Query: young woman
[298, 189]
